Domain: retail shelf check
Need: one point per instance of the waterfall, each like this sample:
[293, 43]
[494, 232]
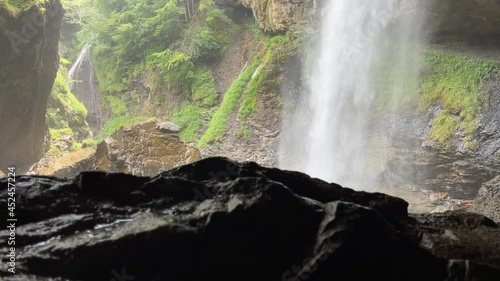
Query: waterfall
[83, 85]
[326, 134]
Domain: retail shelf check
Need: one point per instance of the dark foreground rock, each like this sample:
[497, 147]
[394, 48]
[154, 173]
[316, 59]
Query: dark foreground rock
[219, 220]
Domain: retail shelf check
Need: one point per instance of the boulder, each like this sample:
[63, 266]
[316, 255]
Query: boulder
[66, 165]
[220, 220]
[167, 127]
[29, 62]
[146, 148]
[487, 201]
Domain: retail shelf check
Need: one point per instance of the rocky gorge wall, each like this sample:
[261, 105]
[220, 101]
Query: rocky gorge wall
[28, 65]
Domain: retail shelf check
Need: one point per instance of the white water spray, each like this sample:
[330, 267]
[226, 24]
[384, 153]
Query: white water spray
[83, 84]
[326, 135]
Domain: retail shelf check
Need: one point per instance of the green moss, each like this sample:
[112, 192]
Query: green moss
[443, 128]
[114, 125]
[56, 134]
[457, 83]
[177, 68]
[89, 143]
[76, 146]
[218, 123]
[243, 132]
[13, 8]
[65, 113]
[274, 56]
[53, 151]
[188, 117]
[115, 105]
[203, 87]
[65, 98]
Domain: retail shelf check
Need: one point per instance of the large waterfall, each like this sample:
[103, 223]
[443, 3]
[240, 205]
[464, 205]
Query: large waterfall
[326, 134]
[83, 85]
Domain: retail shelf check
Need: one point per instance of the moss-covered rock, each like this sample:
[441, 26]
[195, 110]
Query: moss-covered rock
[144, 148]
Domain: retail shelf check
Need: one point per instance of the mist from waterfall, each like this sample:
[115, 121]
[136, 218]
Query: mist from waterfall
[326, 134]
[83, 84]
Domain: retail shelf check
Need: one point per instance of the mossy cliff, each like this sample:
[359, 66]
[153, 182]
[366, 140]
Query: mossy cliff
[66, 117]
[28, 65]
[210, 69]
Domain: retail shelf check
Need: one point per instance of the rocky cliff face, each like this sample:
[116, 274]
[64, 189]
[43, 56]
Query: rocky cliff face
[28, 65]
[458, 171]
[279, 15]
[487, 201]
[220, 220]
[476, 21]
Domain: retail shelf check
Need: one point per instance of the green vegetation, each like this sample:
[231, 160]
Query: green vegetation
[218, 124]
[65, 114]
[203, 87]
[457, 83]
[64, 108]
[173, 47]
[243, 132]
[444, 127]
[189, 119]
[115, 105]
[251, 95]
[158, 35]
[173, 41]
[114, 125]
[13, 8]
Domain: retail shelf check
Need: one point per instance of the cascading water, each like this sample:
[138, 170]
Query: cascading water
[326, 134]
[83, 85]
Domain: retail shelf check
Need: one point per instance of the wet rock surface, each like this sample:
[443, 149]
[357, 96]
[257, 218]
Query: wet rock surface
[454, 169]
[220, 220]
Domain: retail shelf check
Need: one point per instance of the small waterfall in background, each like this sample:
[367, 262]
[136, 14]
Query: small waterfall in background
[326, 135]
[83, 85]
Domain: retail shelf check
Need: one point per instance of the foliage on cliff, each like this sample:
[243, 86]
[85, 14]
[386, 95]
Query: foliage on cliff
[65, 116]
[174, 42]
[129, 36]
[458, 84]
[14, 7]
